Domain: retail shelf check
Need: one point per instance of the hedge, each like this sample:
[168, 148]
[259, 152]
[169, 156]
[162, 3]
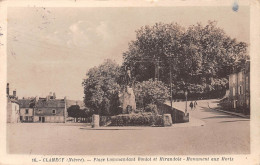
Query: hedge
[140, 119]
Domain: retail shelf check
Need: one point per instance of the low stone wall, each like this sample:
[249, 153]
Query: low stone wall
[166, 109]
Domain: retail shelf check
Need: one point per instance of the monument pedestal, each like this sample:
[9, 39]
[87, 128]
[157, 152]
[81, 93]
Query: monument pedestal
[95, 121]
[167, 120]
[127, 100]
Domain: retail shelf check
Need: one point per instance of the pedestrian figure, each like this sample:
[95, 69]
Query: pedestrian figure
[191, 105]
[195, 104]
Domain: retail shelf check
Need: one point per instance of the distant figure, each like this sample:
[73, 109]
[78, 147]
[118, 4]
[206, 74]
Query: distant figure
[191, 105]
[195, 104]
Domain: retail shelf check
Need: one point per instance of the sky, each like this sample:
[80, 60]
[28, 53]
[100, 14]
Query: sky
[51, 49]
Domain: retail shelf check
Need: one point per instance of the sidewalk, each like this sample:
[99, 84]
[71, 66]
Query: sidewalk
[217, 108]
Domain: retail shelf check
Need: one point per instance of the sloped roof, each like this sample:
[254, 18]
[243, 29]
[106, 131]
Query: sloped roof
[13, 100]
[26, 103]
[44, 103]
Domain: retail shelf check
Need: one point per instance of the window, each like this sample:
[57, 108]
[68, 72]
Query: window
[40, 110]
[234, 78]
[247, 84]
[240, 91]
[235, 105]
[26, 111]
[53, 111]
[247, 102]
[234, 91]
[240, 76]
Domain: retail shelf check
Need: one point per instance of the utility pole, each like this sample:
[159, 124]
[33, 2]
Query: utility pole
[186, 94]
[171, 88]
[156, 68]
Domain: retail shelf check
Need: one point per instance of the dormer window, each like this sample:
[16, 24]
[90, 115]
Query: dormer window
[53, 111]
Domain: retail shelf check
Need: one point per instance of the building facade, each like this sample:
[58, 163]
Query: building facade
[27, 110]
[50, 110]
[43, 110]
[239, 90]
[12, 107]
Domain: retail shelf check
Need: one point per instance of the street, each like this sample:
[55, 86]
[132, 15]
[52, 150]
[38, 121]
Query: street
[220, 133]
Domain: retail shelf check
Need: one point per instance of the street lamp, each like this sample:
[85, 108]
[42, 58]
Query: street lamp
[186, 94]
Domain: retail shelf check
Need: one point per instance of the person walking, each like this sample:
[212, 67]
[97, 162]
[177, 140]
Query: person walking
[191, 105]
[195, 104]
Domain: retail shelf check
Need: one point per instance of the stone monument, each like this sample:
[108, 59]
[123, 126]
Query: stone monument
[127, 97]
[95, 121]
[167, 120]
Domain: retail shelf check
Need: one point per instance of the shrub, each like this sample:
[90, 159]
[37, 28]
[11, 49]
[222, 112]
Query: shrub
[104, 120]
[141, 119]
[152, 108]
[150, 91]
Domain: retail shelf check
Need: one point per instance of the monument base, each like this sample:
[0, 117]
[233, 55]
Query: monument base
[127, 100]
[95, 121]
[167, 120]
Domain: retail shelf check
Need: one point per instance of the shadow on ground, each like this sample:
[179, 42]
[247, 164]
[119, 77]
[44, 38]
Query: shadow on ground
[232, 121]
[109, 129]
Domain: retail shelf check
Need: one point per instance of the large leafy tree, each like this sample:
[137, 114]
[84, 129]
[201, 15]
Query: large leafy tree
[200, 56]
[101, 88]
[150, 92]
[76, 112]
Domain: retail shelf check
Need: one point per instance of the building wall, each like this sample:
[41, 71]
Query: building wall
[9, 112]
[49, 119]
[26, 117]
[247, 88]
[23, 112]
[239, 87]
[49, 116]
[241, 90]
[233, 90]
[13, 112]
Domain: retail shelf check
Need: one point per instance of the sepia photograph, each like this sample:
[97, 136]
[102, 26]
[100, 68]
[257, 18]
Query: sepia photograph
[97, 81]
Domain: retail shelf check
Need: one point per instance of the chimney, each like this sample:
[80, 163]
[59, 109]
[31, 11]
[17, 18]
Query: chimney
[14, 93]
[36, 99]
[7, 89]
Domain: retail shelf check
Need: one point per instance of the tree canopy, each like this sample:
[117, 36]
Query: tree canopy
[101, 88]
[150, 92]
[200, 56]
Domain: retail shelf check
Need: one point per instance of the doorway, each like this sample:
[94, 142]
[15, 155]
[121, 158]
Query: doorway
[42, 119]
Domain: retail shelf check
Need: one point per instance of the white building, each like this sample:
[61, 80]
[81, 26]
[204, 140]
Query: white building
[12, 107]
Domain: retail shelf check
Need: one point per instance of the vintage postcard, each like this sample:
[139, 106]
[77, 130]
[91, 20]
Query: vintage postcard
[130, 82]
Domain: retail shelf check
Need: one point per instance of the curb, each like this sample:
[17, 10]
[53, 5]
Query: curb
[231, 113]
